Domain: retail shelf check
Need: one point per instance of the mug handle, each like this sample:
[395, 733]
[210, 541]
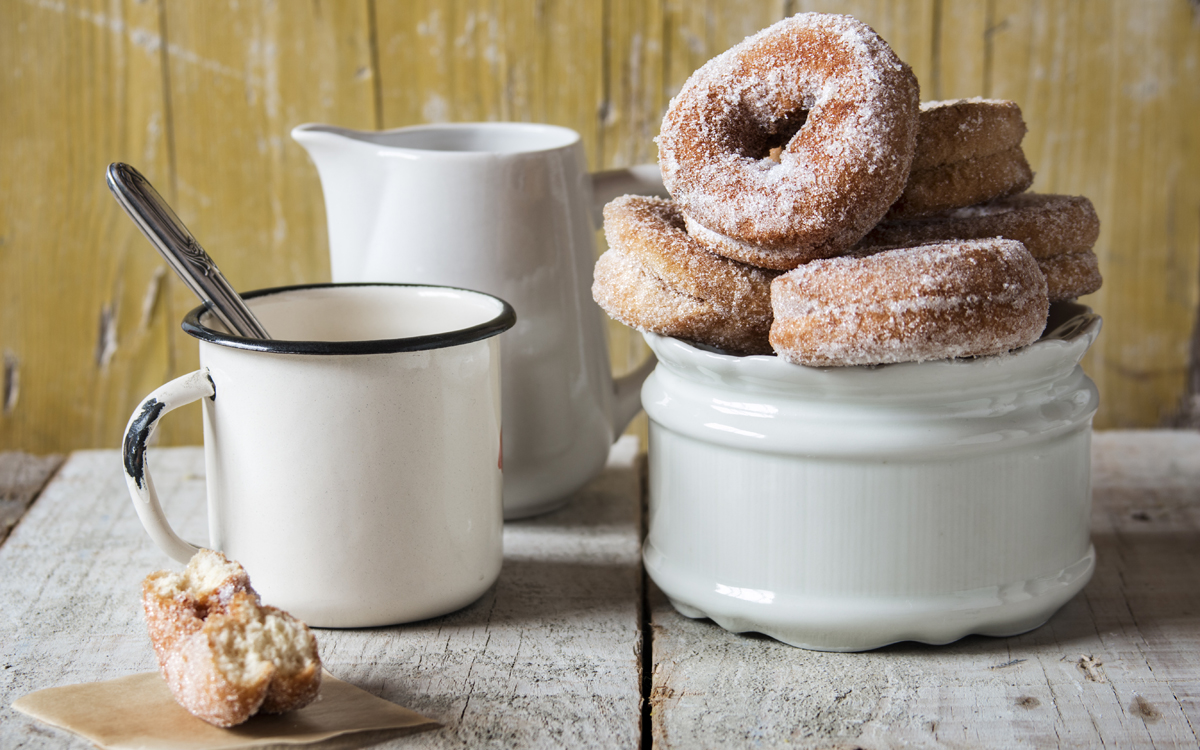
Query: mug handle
[180, 391]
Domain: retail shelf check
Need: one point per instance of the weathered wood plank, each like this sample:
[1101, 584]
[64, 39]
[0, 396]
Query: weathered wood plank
[959, 52]
[241, 76]
[546, 658]
[1118, 666]
[481, 61]
[1135, 67]
[1111, 91]
[81, 322]
[634, 100]
[22, 477]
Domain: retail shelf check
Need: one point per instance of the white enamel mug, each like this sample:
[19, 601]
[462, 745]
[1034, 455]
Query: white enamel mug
[353, 462]
[509, 209]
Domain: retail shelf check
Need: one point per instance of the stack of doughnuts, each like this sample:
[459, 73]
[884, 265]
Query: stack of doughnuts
[968, 152]
[821, 212]
[655, 276]
[1058, 230]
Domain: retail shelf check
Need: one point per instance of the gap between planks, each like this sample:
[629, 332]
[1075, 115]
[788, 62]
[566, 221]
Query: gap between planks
[647, 625]
[23, 476]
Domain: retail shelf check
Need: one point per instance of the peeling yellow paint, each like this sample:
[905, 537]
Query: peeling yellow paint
[201, 97]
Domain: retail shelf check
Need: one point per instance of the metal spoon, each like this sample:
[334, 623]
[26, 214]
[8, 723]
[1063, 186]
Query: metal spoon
[184, 254]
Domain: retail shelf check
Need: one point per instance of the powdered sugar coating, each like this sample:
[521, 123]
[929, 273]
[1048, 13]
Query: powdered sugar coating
[1046, 224]
[652, 231]
[632, 295]
[838, 173]
[954, 299]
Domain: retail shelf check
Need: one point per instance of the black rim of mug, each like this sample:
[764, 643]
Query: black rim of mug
[503, 320]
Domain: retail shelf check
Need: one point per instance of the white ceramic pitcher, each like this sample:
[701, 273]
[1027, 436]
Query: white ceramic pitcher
[508, 209]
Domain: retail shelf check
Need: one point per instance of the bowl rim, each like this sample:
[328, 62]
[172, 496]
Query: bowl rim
[1054, 355]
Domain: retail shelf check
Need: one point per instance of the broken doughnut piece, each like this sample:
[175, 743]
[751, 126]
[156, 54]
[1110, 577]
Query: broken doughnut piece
[224, 655]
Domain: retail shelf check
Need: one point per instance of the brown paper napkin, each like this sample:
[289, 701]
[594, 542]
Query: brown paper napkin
[139, 712]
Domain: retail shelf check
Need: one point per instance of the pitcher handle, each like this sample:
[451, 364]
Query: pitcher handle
[627, 394]
[643, 179]
[180, 391]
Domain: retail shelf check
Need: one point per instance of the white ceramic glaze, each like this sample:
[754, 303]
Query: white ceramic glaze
[844, 509]
[505, 208]
[352, 463]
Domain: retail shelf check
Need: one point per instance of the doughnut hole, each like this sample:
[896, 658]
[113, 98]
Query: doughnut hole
[777, 138]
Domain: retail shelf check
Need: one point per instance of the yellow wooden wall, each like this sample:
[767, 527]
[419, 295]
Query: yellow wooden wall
[200, 95]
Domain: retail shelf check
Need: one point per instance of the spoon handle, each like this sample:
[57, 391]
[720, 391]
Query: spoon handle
[184, 254]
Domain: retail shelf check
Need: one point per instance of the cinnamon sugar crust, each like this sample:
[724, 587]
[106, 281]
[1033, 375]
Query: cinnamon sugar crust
[958, 129]
[224, 655]
[844, 109]
[1046, 224]
[631, 294]
[1071, 275]
[782, 258]
[652, 231]
[967, 182]
[953, 299]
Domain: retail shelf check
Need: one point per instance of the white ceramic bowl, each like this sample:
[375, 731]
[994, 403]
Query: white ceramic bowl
[844, 509]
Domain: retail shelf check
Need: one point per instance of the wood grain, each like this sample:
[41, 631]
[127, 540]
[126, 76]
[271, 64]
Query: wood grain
[547, 658]
[480, 61]
[1106, 88]
[82, 326]
[1118, 666]
[201, 95]
[22, 477]
[241, 76]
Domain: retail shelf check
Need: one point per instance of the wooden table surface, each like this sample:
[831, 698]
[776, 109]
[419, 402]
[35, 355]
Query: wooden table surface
[566, 646]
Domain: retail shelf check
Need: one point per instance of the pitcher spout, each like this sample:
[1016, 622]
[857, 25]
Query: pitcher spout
[352, 180]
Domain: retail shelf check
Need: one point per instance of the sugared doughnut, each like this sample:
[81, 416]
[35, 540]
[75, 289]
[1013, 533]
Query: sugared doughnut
[778, 258]
[652, 231]
[1070, 275]
[630, 294]
[954, 299]
[958, 129]
[963, 183]
[845, 106]
[968, 151]
[1046, 224]
[224, 655]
